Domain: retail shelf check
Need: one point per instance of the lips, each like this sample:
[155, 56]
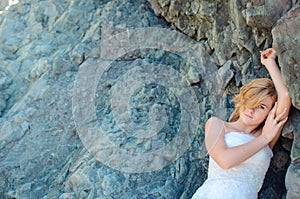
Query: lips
[249, 116]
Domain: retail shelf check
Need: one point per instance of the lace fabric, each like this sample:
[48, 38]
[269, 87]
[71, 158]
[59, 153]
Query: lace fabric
[241, 182]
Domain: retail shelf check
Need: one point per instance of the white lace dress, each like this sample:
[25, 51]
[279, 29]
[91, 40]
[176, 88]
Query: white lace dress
[241, 182]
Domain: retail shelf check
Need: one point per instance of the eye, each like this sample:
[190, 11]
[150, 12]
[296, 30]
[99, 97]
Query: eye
[262, 107]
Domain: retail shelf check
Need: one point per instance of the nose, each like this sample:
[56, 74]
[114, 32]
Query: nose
[251, 110]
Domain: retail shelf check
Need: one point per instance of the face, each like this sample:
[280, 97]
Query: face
[255, 116]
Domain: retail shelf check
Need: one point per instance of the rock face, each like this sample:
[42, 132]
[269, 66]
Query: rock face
[234, 31]
[103, 99]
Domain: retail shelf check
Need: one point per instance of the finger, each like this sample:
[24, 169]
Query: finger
[279, 116]
[266, 53]
[263, 54]
[272, 113]
[273, 51]
[275, 105]
[270, 52]
[274, 108]
[282, 122]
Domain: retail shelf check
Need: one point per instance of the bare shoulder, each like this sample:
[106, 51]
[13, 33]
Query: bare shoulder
[214, 131]
[213, 123]
[214, 120]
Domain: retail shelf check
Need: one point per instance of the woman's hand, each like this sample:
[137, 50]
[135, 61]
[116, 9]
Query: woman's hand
[273, 123]
[268, 56]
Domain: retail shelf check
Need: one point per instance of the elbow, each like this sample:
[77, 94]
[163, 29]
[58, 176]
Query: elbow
[225, 166]
[285, 101]
[224, 160]
[285, 97]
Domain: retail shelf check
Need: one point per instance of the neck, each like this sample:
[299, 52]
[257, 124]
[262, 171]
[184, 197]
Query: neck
[242, 127]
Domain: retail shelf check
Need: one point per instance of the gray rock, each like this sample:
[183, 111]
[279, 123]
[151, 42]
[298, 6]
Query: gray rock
[63, 51]
[234, 32]
[292, 181]
[286, 41]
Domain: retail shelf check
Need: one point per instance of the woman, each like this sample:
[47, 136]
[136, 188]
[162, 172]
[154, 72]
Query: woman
[240, 150]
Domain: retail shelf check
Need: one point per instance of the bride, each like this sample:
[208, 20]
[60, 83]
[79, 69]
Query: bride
[240, 150]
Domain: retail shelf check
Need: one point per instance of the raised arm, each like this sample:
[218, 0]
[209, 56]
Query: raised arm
[283, 100]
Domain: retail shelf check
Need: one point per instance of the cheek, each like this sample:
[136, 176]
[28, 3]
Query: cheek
[264, 114]
[261, 114]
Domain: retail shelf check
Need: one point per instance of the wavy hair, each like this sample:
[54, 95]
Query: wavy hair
[252, 94]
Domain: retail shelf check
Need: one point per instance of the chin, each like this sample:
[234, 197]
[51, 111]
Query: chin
[249, 121]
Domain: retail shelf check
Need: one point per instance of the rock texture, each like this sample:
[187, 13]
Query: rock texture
[234, 31]
[59, 60]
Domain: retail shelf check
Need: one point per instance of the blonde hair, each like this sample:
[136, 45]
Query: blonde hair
[252, 94]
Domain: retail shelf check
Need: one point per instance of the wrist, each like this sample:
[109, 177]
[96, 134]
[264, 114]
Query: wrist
[270, 63]
[265, 139]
